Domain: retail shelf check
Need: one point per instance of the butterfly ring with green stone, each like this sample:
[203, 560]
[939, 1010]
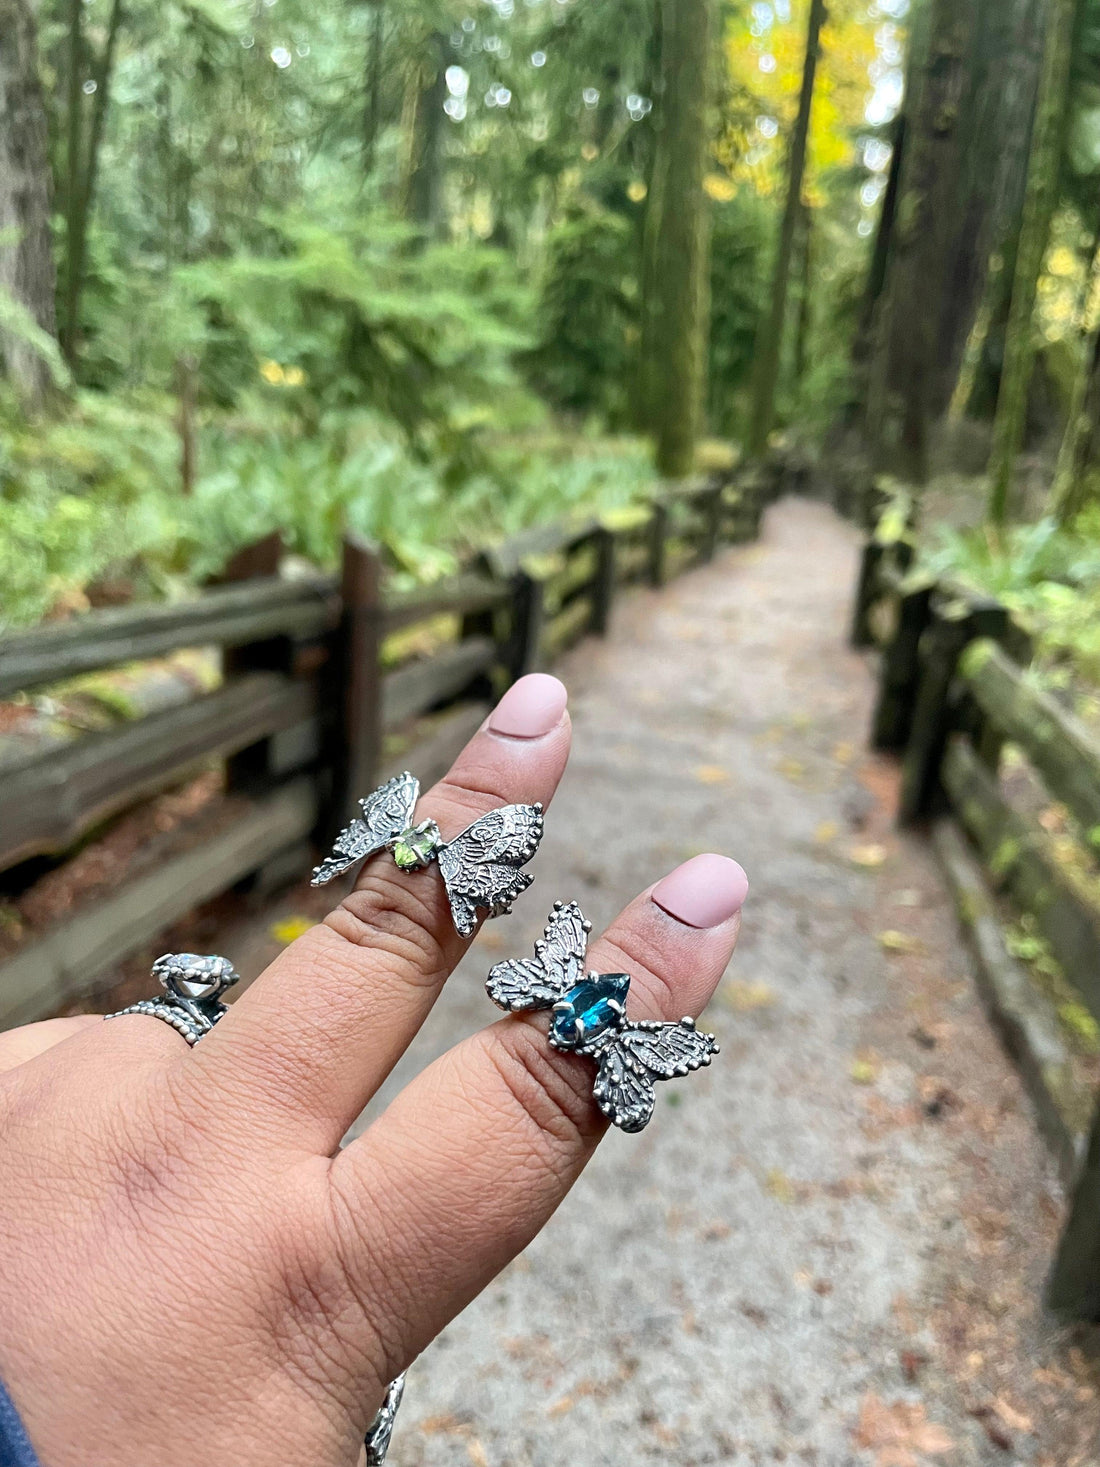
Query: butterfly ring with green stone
[480, 866]
[589, 1018]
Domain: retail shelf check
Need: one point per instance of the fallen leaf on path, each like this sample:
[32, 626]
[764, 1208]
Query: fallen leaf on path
[900, 1433]
[711, 774]
[780, 1186]
[742, 996]
[844, 752]
[865, 1068]
[899, 942]
[869, 855]
[290, 929]
[792, 769]
[1011, 1417]
[476, 1453]
[828, 830]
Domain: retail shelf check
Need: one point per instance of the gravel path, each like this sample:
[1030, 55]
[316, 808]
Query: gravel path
[828, 1247]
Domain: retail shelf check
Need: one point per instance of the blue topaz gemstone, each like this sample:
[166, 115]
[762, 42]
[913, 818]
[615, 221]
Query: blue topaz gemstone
[588, 1003]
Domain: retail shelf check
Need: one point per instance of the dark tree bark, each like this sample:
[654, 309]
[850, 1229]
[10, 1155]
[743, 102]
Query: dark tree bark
[372, 106]
[969, 94]
[424, 172]
[1047, 140]
[770, 339]
[83, 161]
[675, 271]
[26, 249]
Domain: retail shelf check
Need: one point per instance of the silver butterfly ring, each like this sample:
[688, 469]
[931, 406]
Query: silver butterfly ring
[480, 867]
[589, 1018]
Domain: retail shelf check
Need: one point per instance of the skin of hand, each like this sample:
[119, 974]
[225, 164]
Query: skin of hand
[191, 1269]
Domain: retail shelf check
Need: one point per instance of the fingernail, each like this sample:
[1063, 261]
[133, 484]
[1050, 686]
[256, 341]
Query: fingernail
[703, 892]
[532, 706]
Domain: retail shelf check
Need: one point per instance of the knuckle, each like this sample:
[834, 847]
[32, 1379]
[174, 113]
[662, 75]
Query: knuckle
[401, 919]
[553, 1093]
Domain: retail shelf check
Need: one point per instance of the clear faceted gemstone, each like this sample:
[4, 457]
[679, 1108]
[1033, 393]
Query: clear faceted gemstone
[586, 1010]
[416, 846]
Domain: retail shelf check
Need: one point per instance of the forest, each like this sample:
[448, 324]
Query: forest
[434, 272]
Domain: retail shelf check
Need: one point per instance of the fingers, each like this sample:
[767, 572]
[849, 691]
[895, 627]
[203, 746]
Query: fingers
[19, 1045]
[496, 1132]
[316, 1035]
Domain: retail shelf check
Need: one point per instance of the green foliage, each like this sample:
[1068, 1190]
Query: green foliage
[586, 356]
[738, 255]
[1048, 577]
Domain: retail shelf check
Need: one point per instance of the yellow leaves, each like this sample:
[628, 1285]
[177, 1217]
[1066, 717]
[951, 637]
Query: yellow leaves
[827, 831]
[870, 855]
[290, 929]
[711, 774]
[279, 376]
[636, 190]
[742, 997]
[779, 1185]
[893, 941]
[719, 186]
[899, 1434]
[865, 1068]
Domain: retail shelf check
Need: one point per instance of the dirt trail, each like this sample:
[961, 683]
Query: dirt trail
[829, 1247]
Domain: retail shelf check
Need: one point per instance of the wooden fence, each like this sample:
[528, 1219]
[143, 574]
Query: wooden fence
[955, 690]
[310, 692]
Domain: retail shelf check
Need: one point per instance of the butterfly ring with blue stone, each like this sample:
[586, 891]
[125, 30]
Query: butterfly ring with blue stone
[589, 1018]
[480, 867]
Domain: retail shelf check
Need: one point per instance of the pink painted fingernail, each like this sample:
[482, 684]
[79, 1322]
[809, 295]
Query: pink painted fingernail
[703, 892]
[532, 706]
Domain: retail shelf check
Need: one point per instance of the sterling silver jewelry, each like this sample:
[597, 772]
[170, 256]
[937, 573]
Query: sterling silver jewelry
[381, 1428]
[193, 987]
[480, 867]
[590, 1018]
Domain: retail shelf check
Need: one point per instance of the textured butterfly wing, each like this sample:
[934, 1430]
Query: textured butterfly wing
[480, 867]
[386, 813]
[667, 1050]
[538, 982]
[623, 1091]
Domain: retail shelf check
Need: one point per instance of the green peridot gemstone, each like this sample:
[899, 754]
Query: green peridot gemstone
[416, 846]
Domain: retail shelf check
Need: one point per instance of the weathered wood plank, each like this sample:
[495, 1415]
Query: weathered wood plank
[459, 595]
[65, 962]
[1059, 745]
[565, 630]
[414, 689]
[49, 803]
[223, 618]
[1023, 1016]
[1020, 856]
[504, 560]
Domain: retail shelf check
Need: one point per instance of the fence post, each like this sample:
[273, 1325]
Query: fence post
[527, 618]
[356, 681]
[712, 510]
[658, 542]
[866, 587]
[603, 582]
[248, 770]
[934, 713]
[900, 672]
[1073, 1289]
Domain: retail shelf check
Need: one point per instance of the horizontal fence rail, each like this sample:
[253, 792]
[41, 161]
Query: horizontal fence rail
[955, 688]
[316, 678]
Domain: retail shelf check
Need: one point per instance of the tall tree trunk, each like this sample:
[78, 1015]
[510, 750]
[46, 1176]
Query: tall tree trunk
[676, 305]
[423, 189]
[372, 107]
[1077, 476]
[924, 237]
[770, 336]
[1042, 193]
[83, 162]
[26, 251]
[804, 319]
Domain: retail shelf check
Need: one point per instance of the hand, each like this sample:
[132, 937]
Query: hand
[193, 1272]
